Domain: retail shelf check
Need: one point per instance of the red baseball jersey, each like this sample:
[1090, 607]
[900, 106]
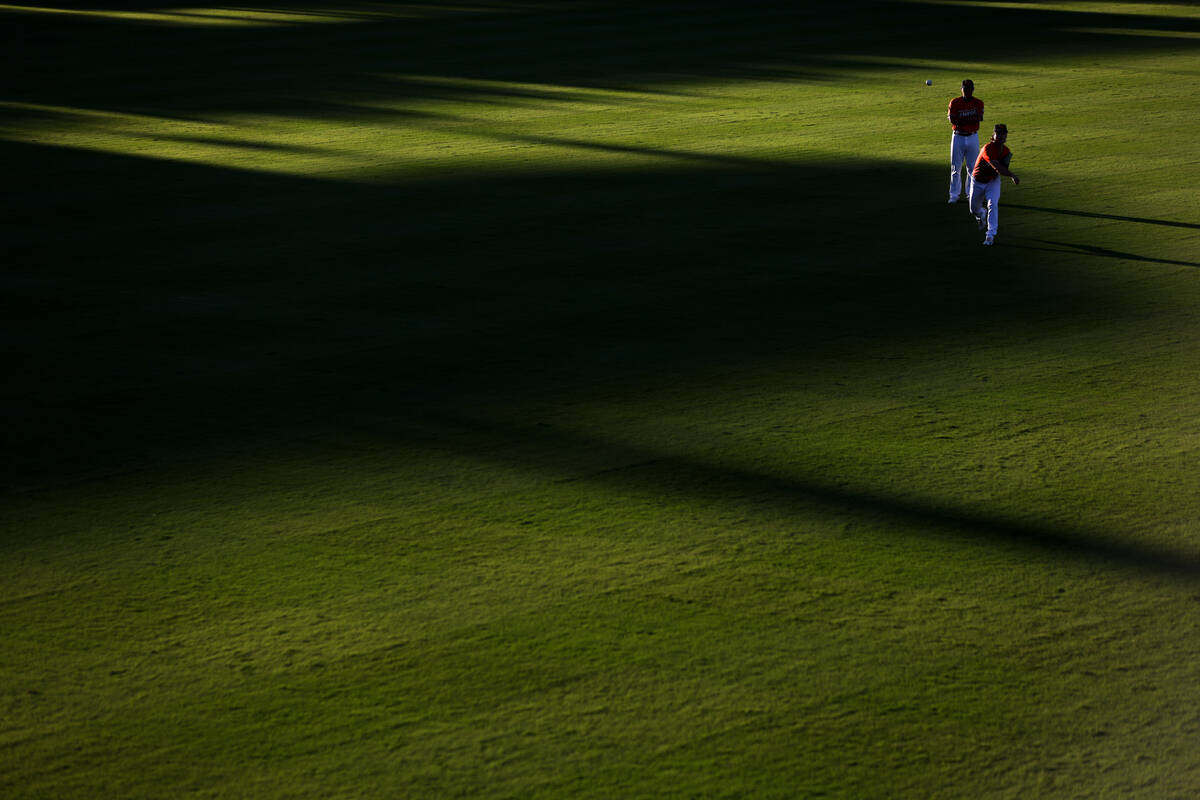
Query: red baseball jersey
[966, 113]
[990, 153]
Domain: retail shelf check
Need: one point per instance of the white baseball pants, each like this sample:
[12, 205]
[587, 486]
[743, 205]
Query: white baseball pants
[987, 194]
[962, 148]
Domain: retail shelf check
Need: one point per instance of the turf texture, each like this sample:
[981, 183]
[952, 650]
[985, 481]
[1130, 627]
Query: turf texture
[597, 400]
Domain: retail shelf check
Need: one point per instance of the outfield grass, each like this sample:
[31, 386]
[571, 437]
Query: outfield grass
[597, 400]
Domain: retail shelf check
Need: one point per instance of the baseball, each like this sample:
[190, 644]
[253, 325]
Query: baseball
[929, 83]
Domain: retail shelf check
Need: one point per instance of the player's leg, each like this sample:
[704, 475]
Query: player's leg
[971, 154]
[993, 196]
[956, 160]
[975, 199]
[992, 191]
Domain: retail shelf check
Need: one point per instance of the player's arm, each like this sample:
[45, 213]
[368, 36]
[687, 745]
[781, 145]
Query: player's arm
[999, 166]
[951, 114]
[1005, 171]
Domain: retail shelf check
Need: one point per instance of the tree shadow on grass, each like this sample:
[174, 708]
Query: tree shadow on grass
[188, 72]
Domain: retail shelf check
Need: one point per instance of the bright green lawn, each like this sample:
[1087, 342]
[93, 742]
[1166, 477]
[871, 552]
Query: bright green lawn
[564, 400]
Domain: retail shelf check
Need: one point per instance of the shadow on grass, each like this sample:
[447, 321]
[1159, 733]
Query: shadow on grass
[647, 472]
[1115, 217]
[1102, 252]
[163, 308]
[388, 55]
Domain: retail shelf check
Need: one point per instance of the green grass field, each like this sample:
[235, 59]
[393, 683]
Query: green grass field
[597, 399]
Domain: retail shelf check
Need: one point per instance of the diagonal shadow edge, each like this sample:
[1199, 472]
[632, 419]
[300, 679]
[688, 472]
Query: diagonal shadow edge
[1097, 215]
[641, 470]
[176, 376]
[1102, 252]
[596, 44]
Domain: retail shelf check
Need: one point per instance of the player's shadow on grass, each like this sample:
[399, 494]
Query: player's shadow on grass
[1045, 245]
[1115, 217]
[1101, 252]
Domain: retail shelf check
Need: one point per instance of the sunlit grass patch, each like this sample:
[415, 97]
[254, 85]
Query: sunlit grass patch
[436, 122]
[1149, 32]
[1135, 9]
[257, 16]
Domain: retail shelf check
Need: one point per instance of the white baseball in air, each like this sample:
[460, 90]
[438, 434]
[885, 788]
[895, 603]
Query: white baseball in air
[929, 83]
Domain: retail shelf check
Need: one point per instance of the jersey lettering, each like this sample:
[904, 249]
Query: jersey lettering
[966, 114]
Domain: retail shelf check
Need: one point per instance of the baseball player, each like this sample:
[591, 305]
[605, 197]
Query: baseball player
[992, 162]
[965, 114]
